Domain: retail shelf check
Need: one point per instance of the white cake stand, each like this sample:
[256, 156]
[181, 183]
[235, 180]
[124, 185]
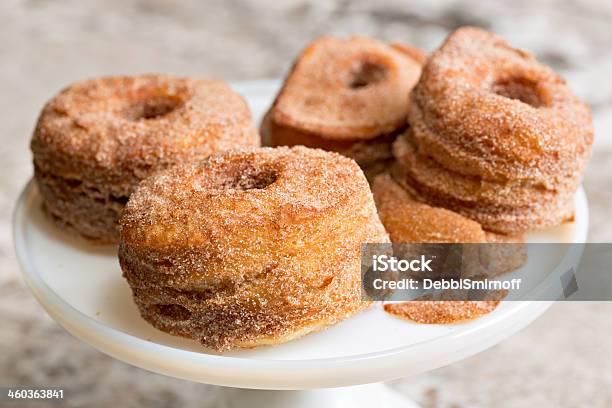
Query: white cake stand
[81, 287]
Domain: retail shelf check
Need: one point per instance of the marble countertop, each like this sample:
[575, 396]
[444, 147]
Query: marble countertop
[563, 359]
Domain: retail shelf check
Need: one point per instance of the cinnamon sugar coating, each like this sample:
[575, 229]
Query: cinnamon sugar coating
[441, 311]
[249, 247]
[495, 135]
[97, 139]
[409, 221]
[510, 208]
[348, 95]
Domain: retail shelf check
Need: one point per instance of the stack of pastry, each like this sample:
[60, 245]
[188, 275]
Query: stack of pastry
[97, 139]
[494, 135]
[497, 145]
[250, 247]
[348, 95]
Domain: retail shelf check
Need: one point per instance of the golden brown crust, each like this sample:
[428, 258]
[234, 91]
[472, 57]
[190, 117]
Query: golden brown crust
[254, 246]
[440, 181]
[105, 135]
[484, 108]
[495, 135]
[408, 220]
[365, 152]
[348, 95]
[441, 311]
[507, 208]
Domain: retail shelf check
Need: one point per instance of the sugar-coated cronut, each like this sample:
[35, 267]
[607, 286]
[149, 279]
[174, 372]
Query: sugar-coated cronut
[494, 135]
[250, 247]
[97, 139]
[348, 95]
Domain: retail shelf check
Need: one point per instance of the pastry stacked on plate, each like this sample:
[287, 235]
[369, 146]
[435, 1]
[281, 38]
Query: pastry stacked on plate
[239, 246]
[348, 95]
[494, 135]
[249, 247]
[488, 139]
[220, 241]
[97, 139]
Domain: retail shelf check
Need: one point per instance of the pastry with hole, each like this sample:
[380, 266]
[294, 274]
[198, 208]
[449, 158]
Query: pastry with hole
[348, 95]
[97, 139]
[250, 247]
[494, 135]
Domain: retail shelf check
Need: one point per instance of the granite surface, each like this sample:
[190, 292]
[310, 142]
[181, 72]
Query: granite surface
[563, 359]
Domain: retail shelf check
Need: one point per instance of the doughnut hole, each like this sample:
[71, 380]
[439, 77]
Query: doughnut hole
[173, 312]
[152, 108]
[519, 88]
[249, 178]
[366, 73]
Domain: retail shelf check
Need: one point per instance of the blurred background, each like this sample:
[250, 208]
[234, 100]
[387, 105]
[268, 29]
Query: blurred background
[563, 359]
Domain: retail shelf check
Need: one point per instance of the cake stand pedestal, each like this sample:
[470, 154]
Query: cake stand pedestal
[371, 395]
